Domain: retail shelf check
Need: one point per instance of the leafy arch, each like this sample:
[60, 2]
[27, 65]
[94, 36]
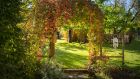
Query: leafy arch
[51, 14]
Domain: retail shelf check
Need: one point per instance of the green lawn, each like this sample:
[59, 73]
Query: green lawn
[71, 55]
[75, 55]
[132, 54]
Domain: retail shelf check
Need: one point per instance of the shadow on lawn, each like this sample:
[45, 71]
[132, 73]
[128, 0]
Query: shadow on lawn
[71, 46]
[70, 60]
[134, 46]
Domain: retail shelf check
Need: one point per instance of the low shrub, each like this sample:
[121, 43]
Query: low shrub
[51, 70]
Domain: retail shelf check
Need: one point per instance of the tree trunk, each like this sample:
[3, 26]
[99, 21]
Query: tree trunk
[100, 47]
[70, 35]
[114, 31]
[52, 46]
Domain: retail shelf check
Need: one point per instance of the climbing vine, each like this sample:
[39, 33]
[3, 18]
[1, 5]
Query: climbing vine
[51, 14]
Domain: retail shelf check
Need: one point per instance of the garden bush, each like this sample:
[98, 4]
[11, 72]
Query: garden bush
[52, 71]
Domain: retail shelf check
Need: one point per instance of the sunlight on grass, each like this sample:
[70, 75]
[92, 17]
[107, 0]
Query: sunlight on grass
[132, 54]
[75, 55]
[71, 55]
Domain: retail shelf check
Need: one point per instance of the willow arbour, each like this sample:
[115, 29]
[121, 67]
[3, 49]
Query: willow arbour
[52, 14]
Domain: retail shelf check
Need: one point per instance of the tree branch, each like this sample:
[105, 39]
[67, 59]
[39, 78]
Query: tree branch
[135, 16]
[131, 6]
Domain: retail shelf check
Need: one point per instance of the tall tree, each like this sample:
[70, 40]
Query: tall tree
[15, 62]
[119, 15]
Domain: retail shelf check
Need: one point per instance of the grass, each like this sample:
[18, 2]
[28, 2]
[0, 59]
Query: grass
[132, 54]
[75, 55]
[71, 55]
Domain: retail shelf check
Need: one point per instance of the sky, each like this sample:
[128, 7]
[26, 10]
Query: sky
[128, 3]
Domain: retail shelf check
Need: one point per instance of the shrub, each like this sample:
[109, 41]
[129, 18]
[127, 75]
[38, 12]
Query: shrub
[51, 71]
[100, 69]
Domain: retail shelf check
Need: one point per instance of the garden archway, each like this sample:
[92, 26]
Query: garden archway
[51, 14]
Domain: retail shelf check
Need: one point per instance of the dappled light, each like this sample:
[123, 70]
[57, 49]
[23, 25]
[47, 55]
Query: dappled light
[69, 39]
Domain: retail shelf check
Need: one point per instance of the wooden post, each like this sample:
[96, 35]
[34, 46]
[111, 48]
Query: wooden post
[123, 48]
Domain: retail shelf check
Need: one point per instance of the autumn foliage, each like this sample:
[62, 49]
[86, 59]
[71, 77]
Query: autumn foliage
[51, 14]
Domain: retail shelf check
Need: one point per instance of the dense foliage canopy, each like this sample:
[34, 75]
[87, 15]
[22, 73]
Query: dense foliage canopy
[15, 58]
